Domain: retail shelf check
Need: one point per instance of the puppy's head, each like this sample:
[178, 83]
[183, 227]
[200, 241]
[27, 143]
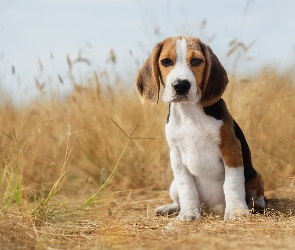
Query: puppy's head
[188, 70]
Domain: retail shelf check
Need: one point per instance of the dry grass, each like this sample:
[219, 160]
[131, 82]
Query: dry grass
[35, 139]
[126, 221]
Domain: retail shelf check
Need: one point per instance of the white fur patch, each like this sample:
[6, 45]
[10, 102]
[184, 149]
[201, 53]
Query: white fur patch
[234, 190]
[181, 71]
[195, 155]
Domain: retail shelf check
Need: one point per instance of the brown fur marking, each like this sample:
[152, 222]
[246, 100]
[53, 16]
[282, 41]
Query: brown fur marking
[147, 81]
[215, 78]
[230, 147]
[193, 50]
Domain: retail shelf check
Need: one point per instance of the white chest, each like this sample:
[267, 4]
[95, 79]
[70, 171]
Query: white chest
[197, 137]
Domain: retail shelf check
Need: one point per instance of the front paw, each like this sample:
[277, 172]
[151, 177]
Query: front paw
[233, 212]
[189, 215]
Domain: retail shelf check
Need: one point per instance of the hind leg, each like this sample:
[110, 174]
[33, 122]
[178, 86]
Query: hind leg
[171, 208]
[257, 205]
[255, 194]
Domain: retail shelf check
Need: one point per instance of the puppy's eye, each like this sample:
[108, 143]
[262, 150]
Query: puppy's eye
[196, 61]
[167, 62]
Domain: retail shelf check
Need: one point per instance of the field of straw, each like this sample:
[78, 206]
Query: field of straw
[87, 171]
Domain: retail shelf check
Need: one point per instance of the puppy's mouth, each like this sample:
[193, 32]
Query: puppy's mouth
[180, 98]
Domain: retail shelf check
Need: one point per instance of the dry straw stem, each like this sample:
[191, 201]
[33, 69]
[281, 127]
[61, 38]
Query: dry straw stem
[11, 179]
[42, 207]
[94, 198]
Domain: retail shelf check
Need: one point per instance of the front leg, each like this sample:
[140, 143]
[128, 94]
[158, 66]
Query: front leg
[187, 191]
[234, 182]
[234, 191]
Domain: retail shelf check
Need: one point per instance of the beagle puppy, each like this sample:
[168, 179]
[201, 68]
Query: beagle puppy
[210, 157]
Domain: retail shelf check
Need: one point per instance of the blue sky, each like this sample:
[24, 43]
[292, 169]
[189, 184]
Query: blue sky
[33, 29]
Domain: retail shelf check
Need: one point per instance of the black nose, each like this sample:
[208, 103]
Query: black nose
[181, 87]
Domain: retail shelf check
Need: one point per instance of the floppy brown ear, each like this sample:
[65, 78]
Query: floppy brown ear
[215, 78]
[148, 81]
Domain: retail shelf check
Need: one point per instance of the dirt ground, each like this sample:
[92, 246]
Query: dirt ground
[126, 220]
